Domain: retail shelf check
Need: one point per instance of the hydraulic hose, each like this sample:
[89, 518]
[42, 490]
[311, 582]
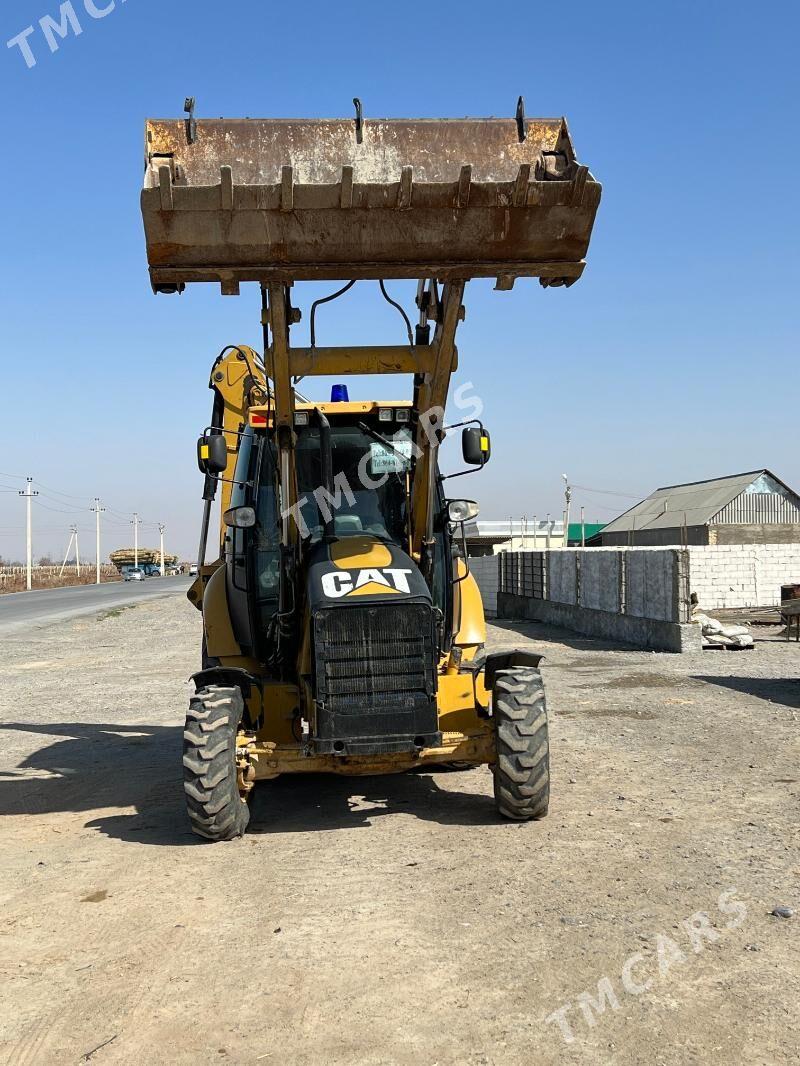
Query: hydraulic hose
[326, 462]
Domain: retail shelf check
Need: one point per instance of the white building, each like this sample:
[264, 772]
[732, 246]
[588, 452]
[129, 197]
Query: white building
[513, 534]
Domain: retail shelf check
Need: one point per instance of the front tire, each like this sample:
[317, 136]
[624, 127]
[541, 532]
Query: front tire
[522, 770]
[216, 809]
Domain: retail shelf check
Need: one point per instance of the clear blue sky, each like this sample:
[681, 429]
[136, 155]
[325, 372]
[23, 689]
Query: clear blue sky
[674, 358]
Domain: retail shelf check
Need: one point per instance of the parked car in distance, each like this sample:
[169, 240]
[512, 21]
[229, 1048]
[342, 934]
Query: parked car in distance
[134, 574]
[193, 570]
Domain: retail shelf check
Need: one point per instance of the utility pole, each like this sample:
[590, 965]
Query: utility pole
[548, 531]
[567, 498]
[583, 529]
[69, 549]
[29, 493]
[77, 552]
[136, 523]
[161, 528]
[97, 509]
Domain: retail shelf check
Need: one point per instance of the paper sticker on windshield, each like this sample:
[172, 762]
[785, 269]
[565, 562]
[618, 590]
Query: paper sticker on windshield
[386, 460]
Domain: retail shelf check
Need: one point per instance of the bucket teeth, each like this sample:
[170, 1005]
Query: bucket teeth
[273, 201]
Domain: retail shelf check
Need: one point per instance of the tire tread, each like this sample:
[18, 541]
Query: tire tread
[215, 808]
[522, 770]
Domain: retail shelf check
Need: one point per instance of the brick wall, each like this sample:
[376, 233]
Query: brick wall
[742, 575]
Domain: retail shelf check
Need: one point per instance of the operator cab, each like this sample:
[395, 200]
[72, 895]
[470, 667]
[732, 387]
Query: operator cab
[354, 465]
[371, 457]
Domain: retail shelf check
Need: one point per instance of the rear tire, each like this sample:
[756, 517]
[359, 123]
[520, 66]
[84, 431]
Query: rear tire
[216, 809]
[522, 770]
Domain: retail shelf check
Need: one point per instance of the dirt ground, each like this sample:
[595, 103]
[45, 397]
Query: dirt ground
[396, 919]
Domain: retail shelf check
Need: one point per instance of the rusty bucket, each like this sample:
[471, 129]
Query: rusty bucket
[287, 200]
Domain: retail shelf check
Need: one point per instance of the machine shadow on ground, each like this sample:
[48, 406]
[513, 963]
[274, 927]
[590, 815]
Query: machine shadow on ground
[93, 766]
[313, 802]
[785, 691]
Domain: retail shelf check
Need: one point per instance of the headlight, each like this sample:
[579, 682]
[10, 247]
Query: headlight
[461, 510]
[240, 517]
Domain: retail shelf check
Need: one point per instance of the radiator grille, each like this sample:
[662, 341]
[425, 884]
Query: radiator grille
[375, 670]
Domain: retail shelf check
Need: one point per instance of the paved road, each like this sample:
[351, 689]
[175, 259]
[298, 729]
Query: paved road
[40, 607]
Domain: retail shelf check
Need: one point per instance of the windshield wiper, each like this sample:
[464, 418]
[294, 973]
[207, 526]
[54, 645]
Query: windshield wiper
[385, 440]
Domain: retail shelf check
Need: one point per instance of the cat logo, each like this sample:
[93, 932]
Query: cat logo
[369, 582]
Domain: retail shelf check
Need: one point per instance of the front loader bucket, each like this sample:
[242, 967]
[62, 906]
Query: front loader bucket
[286, 200]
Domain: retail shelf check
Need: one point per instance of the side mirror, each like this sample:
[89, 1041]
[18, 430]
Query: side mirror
[212, 453]
[461, 510]
[476, 446]
[240, 517]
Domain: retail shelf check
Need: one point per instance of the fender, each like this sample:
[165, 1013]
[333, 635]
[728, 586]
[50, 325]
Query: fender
[226, 675]
[506, 660]
[220, 641]
[468, 610]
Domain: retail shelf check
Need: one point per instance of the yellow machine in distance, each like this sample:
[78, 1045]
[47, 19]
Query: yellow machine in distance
[343, 631]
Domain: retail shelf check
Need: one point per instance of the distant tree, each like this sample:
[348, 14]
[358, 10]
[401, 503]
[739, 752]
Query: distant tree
[45, 561]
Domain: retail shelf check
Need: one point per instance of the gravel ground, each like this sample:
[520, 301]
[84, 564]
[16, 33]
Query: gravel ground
[395, 919]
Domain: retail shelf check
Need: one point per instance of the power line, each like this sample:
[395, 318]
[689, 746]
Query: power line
[610, 492]
[58, 492]
[58, 510]
[56, 499]
[115, 519]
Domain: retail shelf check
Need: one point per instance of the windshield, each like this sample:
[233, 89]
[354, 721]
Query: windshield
[370, 482]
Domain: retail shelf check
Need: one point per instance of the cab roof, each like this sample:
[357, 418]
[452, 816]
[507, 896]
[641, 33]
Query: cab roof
[262, 414]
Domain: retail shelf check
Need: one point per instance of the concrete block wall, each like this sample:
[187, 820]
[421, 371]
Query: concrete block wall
[655, 582]
[485, 570]
[648, 583]
[562, 576]
[584, 587]
[652, 584]
[601, 585]
[587, 590]
[742, 575]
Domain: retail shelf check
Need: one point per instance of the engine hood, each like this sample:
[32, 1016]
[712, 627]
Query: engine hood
[362, 571]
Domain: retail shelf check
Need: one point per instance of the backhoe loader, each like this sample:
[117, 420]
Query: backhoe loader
[342, 629]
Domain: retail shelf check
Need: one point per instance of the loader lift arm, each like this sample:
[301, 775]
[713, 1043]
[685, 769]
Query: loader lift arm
[432, 366]
[282, 201]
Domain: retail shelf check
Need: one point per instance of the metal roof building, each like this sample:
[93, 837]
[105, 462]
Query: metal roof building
[751, 508]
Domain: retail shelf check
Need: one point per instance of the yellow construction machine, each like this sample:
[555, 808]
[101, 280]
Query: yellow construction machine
[342, 629]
